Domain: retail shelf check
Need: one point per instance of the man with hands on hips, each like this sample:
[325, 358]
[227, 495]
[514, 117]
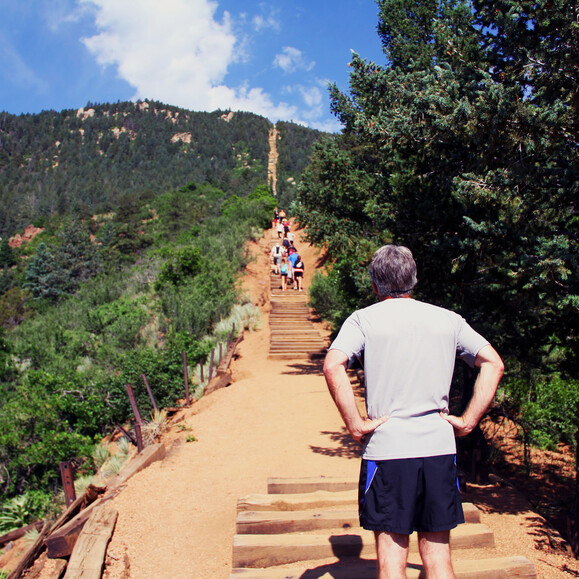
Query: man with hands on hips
[408, 478]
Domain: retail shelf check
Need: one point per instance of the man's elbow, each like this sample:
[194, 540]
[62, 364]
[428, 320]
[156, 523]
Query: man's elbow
[334, 363]
[490, 358]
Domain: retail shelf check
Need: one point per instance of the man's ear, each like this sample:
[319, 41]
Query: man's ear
[375, 289]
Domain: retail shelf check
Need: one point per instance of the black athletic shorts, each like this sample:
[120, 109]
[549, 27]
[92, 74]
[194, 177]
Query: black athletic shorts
[410, 494]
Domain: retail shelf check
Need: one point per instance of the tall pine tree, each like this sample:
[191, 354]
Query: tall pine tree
[449, 150]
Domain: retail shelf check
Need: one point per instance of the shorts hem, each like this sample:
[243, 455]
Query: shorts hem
[381, 529]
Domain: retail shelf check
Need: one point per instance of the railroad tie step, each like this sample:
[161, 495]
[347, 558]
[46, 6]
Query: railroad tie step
[492, 568]
[292, 485]
[295, 355]
[271, 550]
[278, 522]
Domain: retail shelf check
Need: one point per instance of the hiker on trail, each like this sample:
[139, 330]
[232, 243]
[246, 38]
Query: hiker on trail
[290, 272]
[408, 479]
[298, 273]
[279, 229]
[293, 257]
[283, 273]
[276, 255]
[291, 237]
[286, 243]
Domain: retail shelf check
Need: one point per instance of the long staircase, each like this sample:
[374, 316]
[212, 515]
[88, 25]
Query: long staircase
[306, 528]
[292, 333]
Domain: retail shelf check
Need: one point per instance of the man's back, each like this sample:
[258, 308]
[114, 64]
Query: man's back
[409, 349]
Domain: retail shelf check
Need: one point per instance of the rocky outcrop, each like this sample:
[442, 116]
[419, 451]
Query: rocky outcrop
[29, 233]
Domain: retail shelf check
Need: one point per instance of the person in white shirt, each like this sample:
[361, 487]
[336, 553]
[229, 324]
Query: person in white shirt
[408, 477]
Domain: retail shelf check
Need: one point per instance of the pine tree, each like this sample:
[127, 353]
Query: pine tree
[446, 150]
[40, 276]
[7, 258]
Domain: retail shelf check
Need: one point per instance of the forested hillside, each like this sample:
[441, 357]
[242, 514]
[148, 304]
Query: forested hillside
[141, 215]
[87, 160]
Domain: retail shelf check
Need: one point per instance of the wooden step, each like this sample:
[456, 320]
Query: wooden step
[297, 501]
[271, 550]
[308, 349]
[295, 355]
[276, 522]
[297, 342]
[494, 568]
[289, 316]
[292, 485]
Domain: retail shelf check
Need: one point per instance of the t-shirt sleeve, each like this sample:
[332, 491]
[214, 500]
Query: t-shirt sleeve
[469, 343]
[350, 339]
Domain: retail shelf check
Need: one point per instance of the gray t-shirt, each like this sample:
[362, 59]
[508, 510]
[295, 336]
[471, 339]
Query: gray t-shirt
[409, 350]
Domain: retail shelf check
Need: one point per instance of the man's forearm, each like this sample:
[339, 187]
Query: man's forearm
[484, 391]
[343, 395]
[485, 387]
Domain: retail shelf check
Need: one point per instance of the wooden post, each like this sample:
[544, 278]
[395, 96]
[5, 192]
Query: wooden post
[186, 375]
[149, 392]
[220, 352]
[127, 434]
[67, 476]
[201, 372]
[211, 364]
[139, 435]
[137, 414]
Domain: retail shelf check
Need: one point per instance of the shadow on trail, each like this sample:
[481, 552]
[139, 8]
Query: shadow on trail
[344, 445]
[313, 366]
[347, 548]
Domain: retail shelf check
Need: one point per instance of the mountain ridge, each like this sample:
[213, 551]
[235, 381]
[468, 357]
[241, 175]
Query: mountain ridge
[86, 159]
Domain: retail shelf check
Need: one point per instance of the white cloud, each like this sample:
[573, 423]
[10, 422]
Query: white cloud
[171, 50]
[178, 52]
[292, 59]
[312, 96]
[261, 21]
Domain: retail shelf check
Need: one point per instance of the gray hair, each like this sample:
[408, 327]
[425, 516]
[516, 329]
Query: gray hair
[393, 271]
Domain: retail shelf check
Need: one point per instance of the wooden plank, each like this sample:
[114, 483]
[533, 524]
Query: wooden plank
[30, 555]
[276, 522]
[91, 494]
[224, 364]
[17, 533]
[146, 457]
[218, 382]
[271, 550]
[286, 485]
[88, 556]
[495, 568]
[61, 542]
[298, 501]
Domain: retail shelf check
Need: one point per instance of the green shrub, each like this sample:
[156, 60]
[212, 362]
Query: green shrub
[327, 299]
[183, 264]
[546, 406]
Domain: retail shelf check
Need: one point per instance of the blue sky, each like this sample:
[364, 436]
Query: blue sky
[273, 58]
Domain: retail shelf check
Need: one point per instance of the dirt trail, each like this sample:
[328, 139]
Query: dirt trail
[177, 518]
